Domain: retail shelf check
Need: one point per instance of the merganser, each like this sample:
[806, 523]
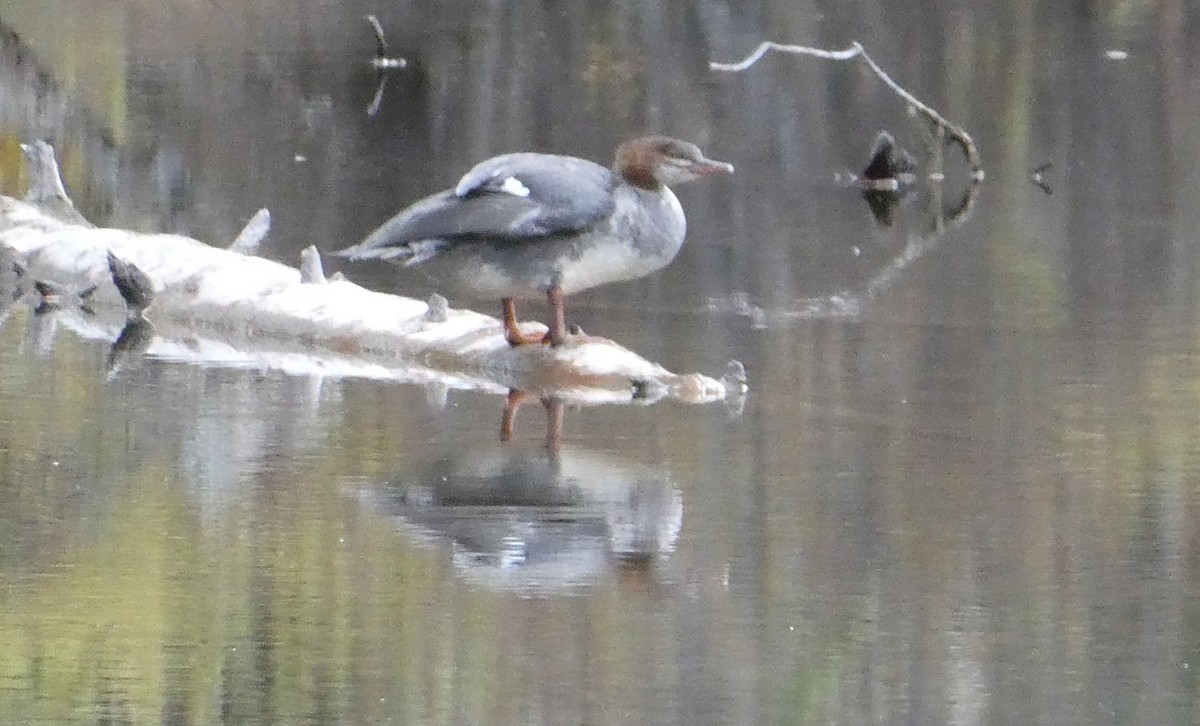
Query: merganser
[526, 225]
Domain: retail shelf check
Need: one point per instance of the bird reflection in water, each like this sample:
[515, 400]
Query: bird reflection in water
[554, 418]
[538, 521]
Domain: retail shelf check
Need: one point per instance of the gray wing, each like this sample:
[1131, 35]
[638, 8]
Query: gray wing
[539, 193]
[516, 196]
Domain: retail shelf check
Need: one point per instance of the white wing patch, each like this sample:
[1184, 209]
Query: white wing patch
[472, 183]
[513, 186]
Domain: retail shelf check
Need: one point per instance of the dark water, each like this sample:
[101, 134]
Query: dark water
[962, 489]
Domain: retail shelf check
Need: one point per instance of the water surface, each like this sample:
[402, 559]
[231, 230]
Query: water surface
[961, 489]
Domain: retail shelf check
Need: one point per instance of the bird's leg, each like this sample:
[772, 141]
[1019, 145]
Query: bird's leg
[512, 331]
[558, 324]
[554, 418]
[509, 417]
[554, 424]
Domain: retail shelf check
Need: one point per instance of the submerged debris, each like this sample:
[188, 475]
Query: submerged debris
[889, 175]
[890, 167]
[135, 286]
[15, 285]
[51, 293]
[882, 204]
[1039, 177]
[53, 296]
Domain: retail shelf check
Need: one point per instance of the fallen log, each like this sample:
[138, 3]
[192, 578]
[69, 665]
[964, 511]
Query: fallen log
[207, 299]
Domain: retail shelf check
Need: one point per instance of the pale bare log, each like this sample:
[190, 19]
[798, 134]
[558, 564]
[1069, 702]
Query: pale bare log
[221, 305]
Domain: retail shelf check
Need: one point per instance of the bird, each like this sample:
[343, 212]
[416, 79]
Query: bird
[526, 225]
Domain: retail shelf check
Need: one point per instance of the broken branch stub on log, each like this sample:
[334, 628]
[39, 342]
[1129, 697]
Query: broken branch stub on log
[258, 304]
[941, 124]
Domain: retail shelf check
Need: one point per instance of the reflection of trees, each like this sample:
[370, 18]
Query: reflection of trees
[976, 499]
[38, 106]
[1003, 474]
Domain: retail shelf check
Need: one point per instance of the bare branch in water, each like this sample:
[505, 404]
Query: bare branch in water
[380, 41]
[382, 59]
[377, 99]
[382, 63]
[955, 132]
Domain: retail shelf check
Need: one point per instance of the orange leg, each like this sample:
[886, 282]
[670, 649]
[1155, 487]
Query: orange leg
[554, 418]
[558, 324]
[512, 332]
[509, 417]
[554, 424]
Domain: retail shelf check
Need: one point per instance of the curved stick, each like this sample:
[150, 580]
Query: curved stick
[957, 133]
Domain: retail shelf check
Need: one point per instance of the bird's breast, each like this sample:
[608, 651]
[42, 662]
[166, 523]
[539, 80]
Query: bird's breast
[643, 234]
